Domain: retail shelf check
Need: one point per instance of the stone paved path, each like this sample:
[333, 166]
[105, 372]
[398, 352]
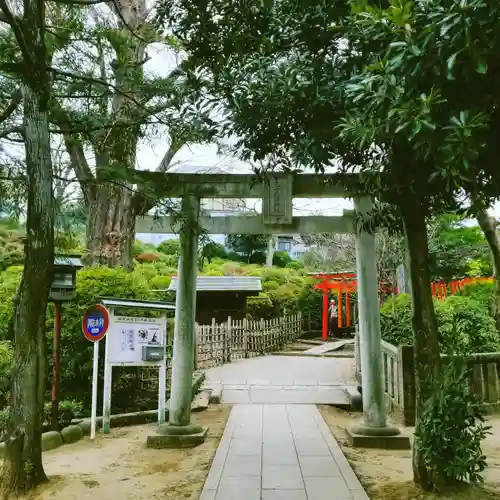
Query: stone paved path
[283, 380]
[280, 452]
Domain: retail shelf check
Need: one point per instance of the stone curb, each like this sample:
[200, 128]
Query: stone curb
[81, 427]
[140, 417]
[312, 355]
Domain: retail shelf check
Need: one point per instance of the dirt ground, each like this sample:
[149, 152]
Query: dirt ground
[387, 475]
[119, 466]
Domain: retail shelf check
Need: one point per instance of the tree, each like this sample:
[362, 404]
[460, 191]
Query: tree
[370, 86]
[247, 244]
[29, 55]
[108, 103]
[453, 245]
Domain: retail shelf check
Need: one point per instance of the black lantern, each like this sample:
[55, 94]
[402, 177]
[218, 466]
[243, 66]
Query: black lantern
[64, 282]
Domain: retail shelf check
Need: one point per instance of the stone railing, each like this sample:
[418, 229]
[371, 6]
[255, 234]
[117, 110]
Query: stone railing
[399, 380]
[483, 379]
[221, 343]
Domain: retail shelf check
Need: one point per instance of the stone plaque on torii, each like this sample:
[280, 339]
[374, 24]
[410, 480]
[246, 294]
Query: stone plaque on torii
[277, 191]
[277, 201]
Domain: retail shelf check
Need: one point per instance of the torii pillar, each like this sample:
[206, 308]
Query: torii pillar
[179, 432]
[374, 432]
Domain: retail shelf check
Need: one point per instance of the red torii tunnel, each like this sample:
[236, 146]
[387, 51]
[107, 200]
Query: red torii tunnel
[342, 284]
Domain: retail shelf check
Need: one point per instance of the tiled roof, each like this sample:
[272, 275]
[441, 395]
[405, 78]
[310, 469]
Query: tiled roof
[224, 284]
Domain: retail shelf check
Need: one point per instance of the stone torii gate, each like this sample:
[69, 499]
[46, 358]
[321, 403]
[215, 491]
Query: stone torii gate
[277, 191]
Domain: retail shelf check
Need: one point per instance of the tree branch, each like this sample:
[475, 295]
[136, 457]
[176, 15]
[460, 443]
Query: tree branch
[141, 204]
[81, 2]
[80, 166]
[4, 134]
[14, 103]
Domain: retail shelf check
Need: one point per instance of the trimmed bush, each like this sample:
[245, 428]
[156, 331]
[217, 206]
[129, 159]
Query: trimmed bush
[463, 322]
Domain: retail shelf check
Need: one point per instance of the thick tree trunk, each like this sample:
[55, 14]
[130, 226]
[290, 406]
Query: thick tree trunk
[489, 226]
[22, 468]
[426, 347]
[110, 227]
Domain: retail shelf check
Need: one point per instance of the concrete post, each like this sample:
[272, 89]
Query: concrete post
[370, 349]
[270, 251]
[184, 334]
[179, 432]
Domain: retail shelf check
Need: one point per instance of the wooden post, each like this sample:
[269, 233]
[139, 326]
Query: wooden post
[56, 369]
[229, 339]
[324, 332]
[245, 338]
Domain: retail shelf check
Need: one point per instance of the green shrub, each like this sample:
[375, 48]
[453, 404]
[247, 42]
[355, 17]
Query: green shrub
[258, 258]
[68, 410]
[396, 320]
[260, 307]
[235, 256]
[295, 264]
[9, 281]
[466, 324]
[481, 292]
[170, 247]
[463, 322]
[6, 352]
[76, 351]
[451, 429]
[281, 259]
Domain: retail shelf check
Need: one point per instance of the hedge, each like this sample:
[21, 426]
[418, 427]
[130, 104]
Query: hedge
[285, 290]
[464, 323]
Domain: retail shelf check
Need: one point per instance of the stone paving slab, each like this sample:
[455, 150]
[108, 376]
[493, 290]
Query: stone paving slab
[283, 380]
[329, 347]
[280, 452]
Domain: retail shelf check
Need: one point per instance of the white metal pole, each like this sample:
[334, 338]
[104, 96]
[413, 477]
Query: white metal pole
[95, 378]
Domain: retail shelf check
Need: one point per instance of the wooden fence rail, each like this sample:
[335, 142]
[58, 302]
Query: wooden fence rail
[399, 380]
[221, 343]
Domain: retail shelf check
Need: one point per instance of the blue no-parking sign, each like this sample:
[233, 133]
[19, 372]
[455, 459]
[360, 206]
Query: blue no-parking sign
[95, 323]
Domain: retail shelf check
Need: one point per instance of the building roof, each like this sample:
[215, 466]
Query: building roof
[137, 304]
[68, 260]
[224, 284]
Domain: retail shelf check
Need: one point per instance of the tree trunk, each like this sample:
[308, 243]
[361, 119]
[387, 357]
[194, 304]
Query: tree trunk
[110, 227]
[489, 226]
[22, 467]
[426, 347]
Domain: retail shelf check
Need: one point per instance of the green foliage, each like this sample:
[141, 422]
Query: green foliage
[258, 258]
[141, 247]
[247, 244]
[170, 247]
[464, 324]
[451, 429]
[6, 353]
[76, 352]
[11, 246]
[456, 249]
[9, 282]
[396, 320]
[284, 290]
[214, 250]
[281, 259]
[68, 410]
[481, 292]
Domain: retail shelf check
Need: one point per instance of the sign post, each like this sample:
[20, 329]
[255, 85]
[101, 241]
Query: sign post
[95, 324]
